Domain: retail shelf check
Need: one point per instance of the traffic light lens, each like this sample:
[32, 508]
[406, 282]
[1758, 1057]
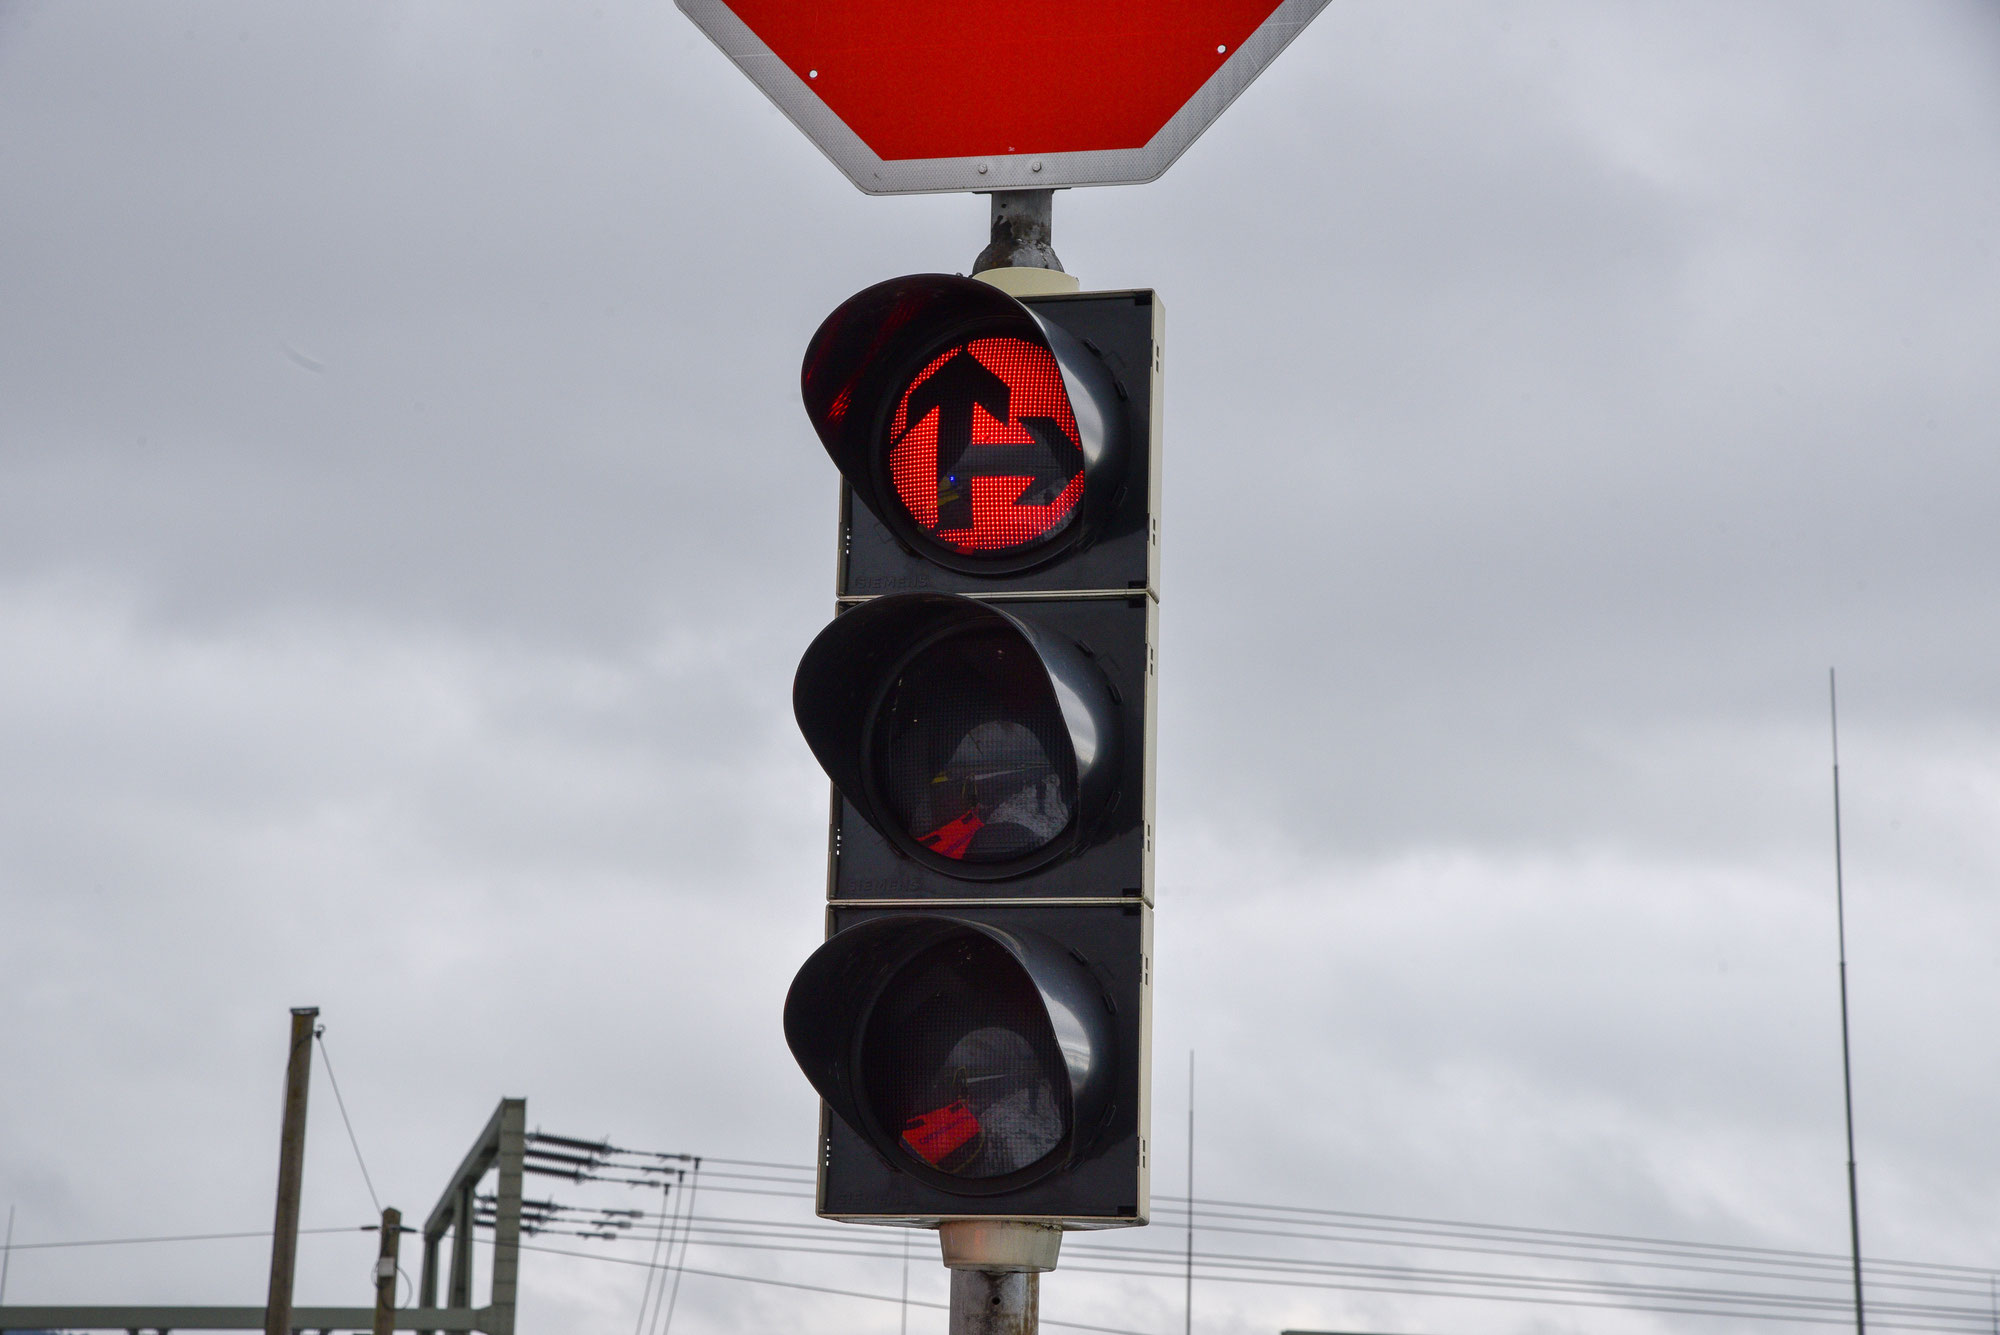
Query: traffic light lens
[960, 1064]
[972, 757]
[983, 450]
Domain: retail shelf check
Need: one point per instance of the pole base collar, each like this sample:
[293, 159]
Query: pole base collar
[999, 1245]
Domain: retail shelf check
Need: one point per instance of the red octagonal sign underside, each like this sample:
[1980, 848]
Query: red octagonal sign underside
[910, 95]
[918, 79]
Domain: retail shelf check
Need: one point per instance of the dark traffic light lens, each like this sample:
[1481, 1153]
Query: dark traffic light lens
[971, 753]
[983, 451]
[960, 1065]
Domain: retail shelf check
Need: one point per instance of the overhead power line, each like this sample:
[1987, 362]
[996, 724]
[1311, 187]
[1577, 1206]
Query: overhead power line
[1799, 1262]
[1155, 1263]
[680, 1263]
[1083, 1245]
[1685, 1257]
[176, 1237]
[1689, 1307]
[1558, 1267]
[326, 1058]
[817, 1288]
[1168, 1203]
[1583, 1235]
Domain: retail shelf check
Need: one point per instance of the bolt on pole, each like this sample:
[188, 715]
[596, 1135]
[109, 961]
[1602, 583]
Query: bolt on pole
[291, 1173]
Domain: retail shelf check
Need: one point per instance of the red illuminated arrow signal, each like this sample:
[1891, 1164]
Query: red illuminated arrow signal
[964, 383]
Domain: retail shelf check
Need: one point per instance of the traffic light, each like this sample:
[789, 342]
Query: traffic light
[991, 749]
[977, 1022]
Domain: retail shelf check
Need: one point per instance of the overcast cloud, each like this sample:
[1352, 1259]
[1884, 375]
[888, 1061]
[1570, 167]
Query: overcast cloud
[409, 529]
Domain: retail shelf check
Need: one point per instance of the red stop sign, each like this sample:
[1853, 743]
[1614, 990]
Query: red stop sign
[913, 95]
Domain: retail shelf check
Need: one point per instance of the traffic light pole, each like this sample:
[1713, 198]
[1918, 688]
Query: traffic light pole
[1023, 223]
[995, 1302]
[996, 1273]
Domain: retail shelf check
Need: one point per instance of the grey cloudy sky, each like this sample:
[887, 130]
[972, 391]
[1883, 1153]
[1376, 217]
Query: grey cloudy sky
[408, 530]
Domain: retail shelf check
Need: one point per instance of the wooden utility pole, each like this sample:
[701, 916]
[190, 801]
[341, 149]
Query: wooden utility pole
[291, 1172]
[385, 1272]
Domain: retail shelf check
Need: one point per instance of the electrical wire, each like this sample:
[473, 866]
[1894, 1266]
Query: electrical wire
[1608, 1260]
[1554, 1237]
[1549, 1283]
[1168, 1268]
[1160, 1256]
[1296, 1271]
[659, 1237]
[1585, 1237]
[1134, 1262]
[687, 1234]
[1088, 1245]
[1802, 1270]
[816, 1288]
[674, 1222]
[1406, 1291]
[178, 1237]
[7, 1255]
[680, 1228]
[319, 1032]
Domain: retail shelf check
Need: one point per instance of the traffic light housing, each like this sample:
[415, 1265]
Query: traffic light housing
[982, 1060]
[1060, 485]
[1057, 689]
[977, 1023]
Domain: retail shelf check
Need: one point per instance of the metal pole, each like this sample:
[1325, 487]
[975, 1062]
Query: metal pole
[507, 1216]
[291, 1173]
[7, 1258]
[385, 1272]
[1188, 1299]
[458, 1292]
[1023, 222]
[427, 1287]
[1846, 1062]
[994, 1302]
[995, 1267]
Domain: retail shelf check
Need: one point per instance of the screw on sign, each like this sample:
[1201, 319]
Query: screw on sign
[910, 95]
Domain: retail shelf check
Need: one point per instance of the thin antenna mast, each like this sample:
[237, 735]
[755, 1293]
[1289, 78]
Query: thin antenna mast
[7, 1255]
[1188, 1300]
[1846, 1061]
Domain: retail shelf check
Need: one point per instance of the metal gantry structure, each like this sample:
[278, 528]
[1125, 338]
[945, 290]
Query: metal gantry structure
[500, 1146]
[499, 1149]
